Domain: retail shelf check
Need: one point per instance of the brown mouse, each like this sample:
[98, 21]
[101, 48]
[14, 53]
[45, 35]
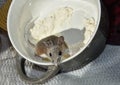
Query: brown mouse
[53, 46]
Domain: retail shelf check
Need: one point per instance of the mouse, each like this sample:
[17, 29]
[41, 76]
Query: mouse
[53, 46]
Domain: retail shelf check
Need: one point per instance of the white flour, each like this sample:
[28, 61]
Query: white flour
[90, 26]
[54, 23]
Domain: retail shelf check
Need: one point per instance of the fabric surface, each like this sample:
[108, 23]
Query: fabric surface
[105, 70]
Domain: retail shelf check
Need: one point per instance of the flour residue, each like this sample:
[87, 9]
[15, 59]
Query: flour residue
[55, 22]
[90, 26]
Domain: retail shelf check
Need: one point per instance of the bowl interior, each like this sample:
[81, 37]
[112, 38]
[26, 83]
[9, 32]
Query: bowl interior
[77, 34]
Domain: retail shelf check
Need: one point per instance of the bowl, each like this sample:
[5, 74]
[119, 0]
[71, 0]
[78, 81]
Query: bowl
[24, 13]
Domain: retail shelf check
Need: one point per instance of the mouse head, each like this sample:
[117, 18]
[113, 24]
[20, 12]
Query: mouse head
[55, 53]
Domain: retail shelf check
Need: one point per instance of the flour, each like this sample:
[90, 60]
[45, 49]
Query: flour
[89, 29]
[54, 23]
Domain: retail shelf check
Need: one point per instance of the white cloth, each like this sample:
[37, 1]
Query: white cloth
[105, 70]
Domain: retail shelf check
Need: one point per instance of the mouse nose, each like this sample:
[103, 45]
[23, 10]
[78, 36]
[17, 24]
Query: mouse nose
[57, 61]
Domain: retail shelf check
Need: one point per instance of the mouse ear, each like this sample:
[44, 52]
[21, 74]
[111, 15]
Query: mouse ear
[60, 40]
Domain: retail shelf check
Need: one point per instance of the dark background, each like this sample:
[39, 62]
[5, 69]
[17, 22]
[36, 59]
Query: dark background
[113, 9]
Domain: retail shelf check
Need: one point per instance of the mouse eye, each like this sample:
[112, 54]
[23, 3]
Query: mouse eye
[50, 54]
[60, 53]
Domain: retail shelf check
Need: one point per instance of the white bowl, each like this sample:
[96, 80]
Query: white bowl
[22, 11]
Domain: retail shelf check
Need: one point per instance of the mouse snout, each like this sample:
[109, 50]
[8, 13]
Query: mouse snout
[56, 60]
[55, 53]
